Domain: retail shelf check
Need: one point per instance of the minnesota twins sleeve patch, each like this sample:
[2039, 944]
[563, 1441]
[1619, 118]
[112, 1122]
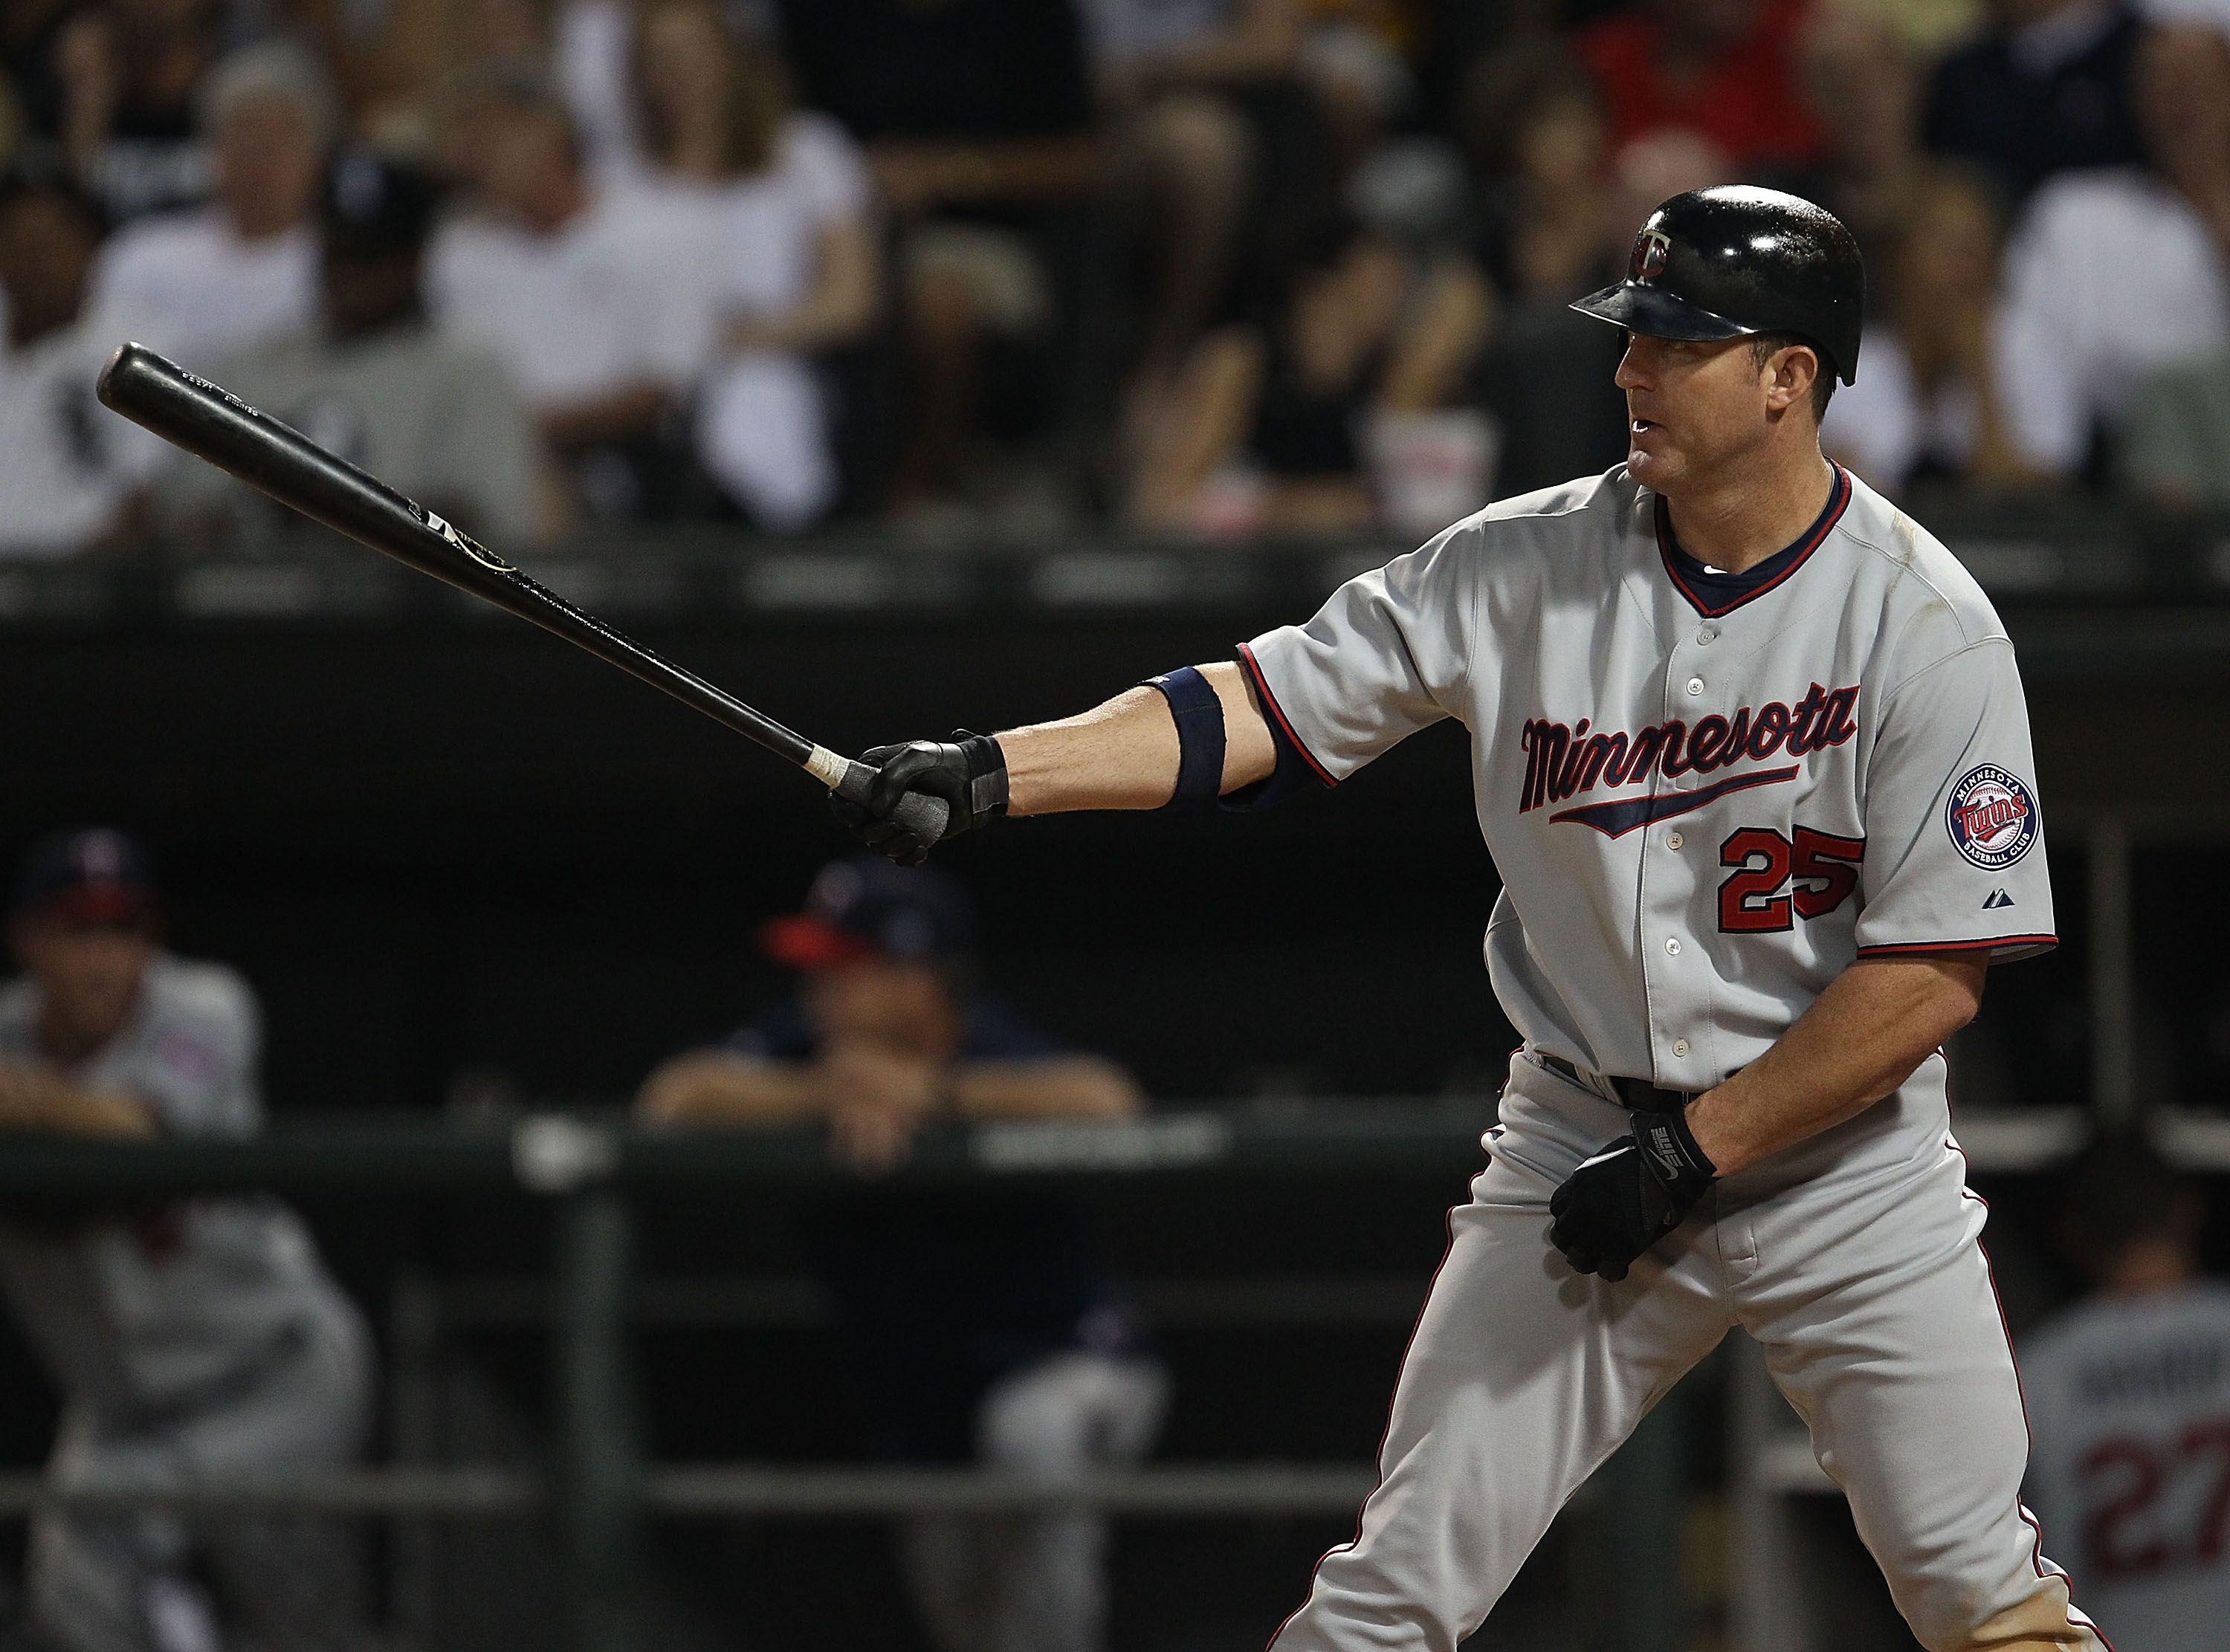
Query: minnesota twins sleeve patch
[1992, 817]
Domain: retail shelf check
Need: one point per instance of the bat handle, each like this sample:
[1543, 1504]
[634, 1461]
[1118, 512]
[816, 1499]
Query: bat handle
[852, 780]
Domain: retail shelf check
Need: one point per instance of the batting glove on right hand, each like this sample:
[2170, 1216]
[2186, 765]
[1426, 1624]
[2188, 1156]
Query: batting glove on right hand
[1630, 1195]
[968, 772]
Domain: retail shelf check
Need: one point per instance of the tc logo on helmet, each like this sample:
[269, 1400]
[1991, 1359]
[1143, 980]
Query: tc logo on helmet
[1650, 248]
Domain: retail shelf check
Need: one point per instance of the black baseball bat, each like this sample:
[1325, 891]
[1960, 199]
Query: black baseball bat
[213, 424]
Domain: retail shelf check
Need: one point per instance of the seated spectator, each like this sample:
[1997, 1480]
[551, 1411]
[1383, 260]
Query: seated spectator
[2129, 1408]
[591, 295]
[70, 470]
[195, 1343]
[1271, 424]
[2174, 448]
[196, 285]
[1723, 69]
[2046, 91]
[978, 120]
[971, 1325]
[1553, 227]
[1928, 405]
[127, 74]
[796, 268]
[2113, 274]
[1863, 85]
[1216, 158]
[373, 381]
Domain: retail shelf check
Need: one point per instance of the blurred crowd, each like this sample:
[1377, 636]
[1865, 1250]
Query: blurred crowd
[1207, 267]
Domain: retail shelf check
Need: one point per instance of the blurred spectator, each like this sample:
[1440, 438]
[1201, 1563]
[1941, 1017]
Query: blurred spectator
[117, 93]
[971, 1325]
[977, 118]
[2129, 1405]
[1722, 69]
[2115, 273]
[69, 469]
[2047, 91]
[1863, 87]
[372, 381]
[1554, 227]
[2174, 450]
[796, 266]
[591, 294]
[1272, 425]
[1212, 130]
[197, 283]
[197, 1343]
[1928, 405]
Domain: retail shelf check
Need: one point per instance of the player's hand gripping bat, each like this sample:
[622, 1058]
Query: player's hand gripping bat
[208, 422]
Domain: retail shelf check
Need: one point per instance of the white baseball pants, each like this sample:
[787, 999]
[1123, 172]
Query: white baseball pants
[114, 1582]
[1037, 1583]
[1854, 1258]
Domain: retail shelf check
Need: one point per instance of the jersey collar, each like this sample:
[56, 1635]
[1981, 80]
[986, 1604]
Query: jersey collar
[1714, 594]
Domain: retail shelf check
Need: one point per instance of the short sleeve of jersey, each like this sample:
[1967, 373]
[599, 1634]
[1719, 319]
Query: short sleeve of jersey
[1954, 858]
[196, 1067]
[1382, 660]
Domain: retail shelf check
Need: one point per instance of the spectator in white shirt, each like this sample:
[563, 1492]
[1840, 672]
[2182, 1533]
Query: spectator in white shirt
[2116, 272]
[70, 470]
[787, 209]
[373, 381]
[1927, 405]
[197, 283]
[592, 296]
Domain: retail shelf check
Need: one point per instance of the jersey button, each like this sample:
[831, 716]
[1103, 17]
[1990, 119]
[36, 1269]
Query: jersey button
[1673, 840]
[1679, 1047]
[1695, 686]
[1673, 945]
[1708, 635]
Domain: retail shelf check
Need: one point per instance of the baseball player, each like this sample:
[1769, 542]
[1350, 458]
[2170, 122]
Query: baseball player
[193, 1343]
[2129, 1398]
[1751, 754]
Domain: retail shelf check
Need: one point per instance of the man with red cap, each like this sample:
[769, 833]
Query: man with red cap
[195, 1343]
[971, 1324]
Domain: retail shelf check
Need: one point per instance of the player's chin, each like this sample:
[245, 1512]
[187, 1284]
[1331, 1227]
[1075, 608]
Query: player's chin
[1650, 462]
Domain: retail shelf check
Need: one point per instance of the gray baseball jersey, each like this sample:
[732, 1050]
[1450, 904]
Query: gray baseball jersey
[1708, 794]
[2128, 1400]
[140, 1317]
[1704, 803]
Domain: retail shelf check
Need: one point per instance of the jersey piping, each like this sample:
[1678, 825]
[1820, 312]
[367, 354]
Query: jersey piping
[1283, 724]
[1994, 942]
[1797, 554]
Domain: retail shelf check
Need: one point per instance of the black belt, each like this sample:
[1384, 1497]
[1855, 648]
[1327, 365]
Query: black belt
[1635, 1095]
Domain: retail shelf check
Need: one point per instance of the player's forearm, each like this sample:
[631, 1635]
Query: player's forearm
[1075, 1087]
[1123, 755]
[33, 1099]
[713, 1087]
[1861, 1039]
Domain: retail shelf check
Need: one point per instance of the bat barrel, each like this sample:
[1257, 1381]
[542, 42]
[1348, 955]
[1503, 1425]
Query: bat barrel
[211, 423]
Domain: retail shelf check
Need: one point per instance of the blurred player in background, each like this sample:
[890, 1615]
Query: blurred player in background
[970, 1325]
[195, 1343]
[2129, 1403]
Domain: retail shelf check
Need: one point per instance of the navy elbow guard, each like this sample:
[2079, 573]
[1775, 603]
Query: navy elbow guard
[1199, 717]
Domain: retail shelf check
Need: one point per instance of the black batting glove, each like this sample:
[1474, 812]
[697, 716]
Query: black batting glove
[967, 771]
[1630, 1195]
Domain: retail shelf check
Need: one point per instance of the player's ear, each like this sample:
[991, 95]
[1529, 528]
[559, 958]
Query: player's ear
[1790, 373]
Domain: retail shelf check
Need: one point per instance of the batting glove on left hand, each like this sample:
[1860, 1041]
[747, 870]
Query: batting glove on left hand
[1630, 1195]
[968, 772]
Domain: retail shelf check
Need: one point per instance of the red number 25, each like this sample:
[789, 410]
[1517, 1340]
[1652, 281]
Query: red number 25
[1758, 898]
